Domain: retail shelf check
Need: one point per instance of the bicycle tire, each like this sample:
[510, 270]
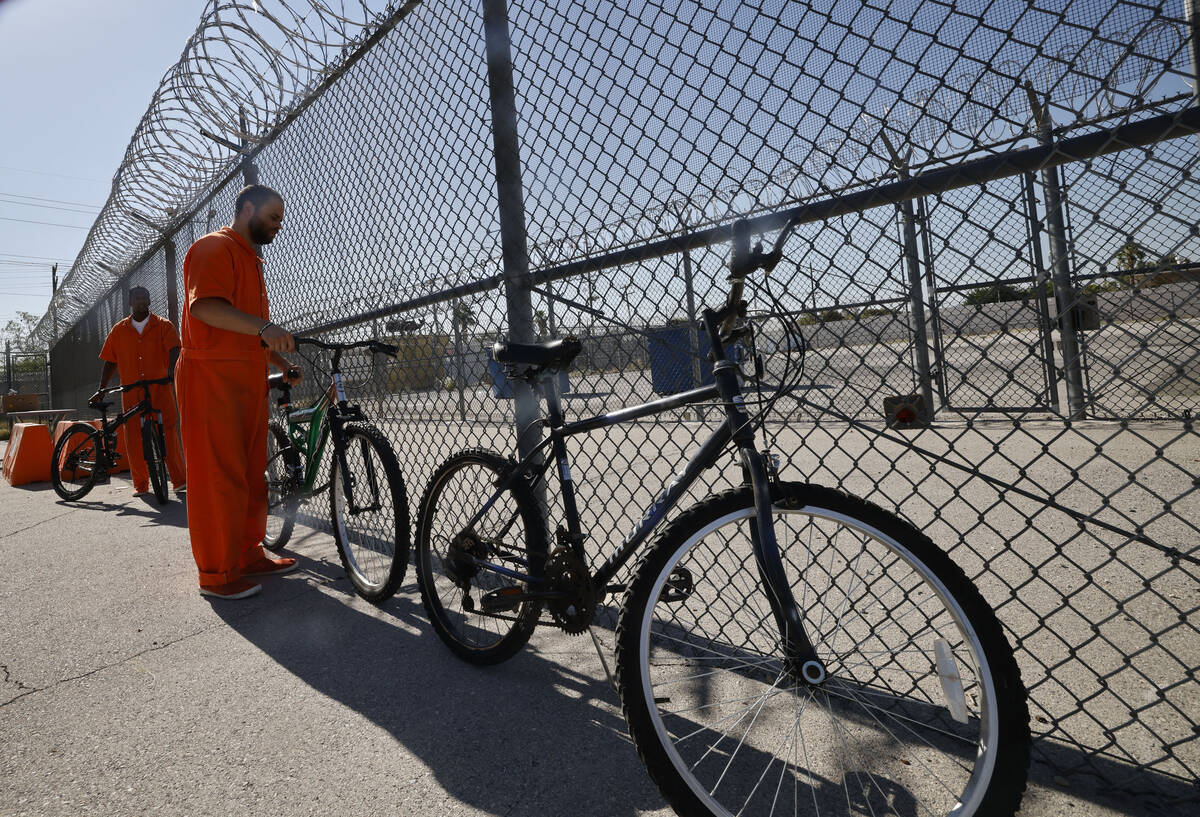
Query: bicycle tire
[375, 557]
[72, 464]
[724, 728]
[153, 450]
[282, 460]
[460, 485]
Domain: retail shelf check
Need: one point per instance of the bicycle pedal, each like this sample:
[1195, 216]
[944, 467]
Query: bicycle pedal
[502, 599]
[101, 478]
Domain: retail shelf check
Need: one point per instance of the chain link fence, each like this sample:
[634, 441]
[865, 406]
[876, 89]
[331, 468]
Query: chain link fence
[1000, 239]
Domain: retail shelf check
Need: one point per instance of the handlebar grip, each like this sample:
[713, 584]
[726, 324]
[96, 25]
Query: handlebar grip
[385, 348]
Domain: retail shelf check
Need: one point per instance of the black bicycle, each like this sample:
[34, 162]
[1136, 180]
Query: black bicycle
[368, 505]
[84, 455]
[781, 647]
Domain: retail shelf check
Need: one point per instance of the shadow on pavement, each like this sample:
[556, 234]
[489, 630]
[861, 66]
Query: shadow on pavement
[146, 507]
[525, 737]
[534, 736]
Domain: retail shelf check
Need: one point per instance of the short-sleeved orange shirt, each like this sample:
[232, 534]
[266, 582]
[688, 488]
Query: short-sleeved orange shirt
[223, 265]
[144, 356]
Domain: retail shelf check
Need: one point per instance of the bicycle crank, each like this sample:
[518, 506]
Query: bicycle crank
[569, 579]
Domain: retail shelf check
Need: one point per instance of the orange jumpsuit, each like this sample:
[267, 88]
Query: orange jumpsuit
[146, 356]
[221, 379]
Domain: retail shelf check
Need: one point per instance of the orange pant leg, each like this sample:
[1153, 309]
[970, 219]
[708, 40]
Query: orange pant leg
[223, 417]
[163, 398]
[139, 472]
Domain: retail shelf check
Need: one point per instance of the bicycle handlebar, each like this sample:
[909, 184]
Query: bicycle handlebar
[137, 385]
[374, 345]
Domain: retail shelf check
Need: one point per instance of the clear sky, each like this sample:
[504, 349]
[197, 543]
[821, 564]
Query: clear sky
[77, 77]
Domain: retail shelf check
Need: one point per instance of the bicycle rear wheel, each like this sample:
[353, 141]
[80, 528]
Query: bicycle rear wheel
[511, 533]
[922, 712]
[369, 511]
[282, 461]
[154, 450]
[73, 464]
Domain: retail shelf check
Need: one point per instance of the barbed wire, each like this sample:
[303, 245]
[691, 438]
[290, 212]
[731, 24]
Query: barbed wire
[248, 65]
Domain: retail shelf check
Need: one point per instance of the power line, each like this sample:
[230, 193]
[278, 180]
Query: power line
[52, 201]
[47, 223]
[44, 173]
[38, 257]
[48, 206]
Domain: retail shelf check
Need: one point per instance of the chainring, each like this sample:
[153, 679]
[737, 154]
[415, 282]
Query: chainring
[566, 572]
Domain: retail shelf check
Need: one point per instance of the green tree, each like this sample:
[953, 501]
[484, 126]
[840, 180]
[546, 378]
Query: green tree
[1131, 256]
[994, 294]
[464, 316]
[19, 333]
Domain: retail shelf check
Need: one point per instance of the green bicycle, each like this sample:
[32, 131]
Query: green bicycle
[368, 506]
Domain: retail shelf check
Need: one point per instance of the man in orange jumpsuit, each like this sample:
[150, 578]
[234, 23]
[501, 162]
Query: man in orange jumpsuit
[144, 347]
[228, 341]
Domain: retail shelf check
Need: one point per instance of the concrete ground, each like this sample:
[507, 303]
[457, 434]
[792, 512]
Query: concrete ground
[124, 692]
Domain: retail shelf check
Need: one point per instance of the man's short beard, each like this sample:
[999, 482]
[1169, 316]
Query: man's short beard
[258, 234]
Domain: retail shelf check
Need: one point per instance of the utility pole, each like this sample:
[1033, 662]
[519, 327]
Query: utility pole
[53, 308]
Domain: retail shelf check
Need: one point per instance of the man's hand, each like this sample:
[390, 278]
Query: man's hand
[278, 339]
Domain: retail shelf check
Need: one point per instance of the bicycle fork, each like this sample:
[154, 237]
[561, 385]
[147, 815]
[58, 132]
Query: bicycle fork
[799, 653]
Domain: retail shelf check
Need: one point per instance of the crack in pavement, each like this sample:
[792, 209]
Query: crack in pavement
[309, 588]
[40, 522]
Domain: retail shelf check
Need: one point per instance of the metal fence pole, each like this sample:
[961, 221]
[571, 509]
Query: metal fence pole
[1064, 292]
[916, 297]
[1040, 277]
[510, 195]
[7, 366]
[170, 262]
[458, 321]
[935, 318]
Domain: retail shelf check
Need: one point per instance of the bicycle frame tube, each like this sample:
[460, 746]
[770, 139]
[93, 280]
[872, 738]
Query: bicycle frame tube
[797, 646]
[700, 461]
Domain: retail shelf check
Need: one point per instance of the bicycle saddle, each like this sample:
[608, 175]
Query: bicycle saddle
[276, 381]
[550, 354]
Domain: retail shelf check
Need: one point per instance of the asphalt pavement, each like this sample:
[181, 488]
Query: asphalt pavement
[125, 692]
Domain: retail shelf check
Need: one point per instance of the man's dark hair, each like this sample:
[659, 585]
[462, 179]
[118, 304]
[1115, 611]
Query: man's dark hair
[257, 195]
[138, 289]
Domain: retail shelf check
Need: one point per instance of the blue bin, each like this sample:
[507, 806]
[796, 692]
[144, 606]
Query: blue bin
[502, 387]
[671, 359]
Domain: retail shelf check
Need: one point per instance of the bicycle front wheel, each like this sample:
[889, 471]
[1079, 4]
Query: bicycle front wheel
[369, 511]
[282, 461]
[154, 450]
[510, 534]
[73, 464]
[922, 710]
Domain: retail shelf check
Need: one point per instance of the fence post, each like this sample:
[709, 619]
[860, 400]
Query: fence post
[7, 367]
[170, 261]
[1064, 292]
[1039, 278]
[458, 320]
[916, 299]
[935, 318]
[513, 238]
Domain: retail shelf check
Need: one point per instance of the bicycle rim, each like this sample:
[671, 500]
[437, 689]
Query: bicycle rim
[367, 529]
[74, 463]
[153, 452]
[281, 508]
[880, 736]
[509, 533]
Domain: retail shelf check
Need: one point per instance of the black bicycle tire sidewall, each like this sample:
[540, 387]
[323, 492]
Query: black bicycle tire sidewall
[289, 517]
[1007, 783]
[521, 631]
[152, 437]
[395, 481]
[56, 477]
